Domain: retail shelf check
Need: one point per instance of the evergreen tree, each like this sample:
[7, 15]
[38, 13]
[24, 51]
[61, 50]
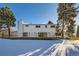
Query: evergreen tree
[66, 14]
[58, 30]
[7, 17]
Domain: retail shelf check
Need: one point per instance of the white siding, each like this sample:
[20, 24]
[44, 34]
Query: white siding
[33, 31]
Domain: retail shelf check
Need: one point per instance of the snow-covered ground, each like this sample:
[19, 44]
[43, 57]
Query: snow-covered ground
[26, 47]
[39, 47]
[66, 48]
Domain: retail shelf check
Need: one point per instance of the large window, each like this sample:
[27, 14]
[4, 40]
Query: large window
[25, 34]
[42, 34]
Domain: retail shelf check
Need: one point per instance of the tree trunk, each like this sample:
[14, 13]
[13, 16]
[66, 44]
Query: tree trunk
[2, 34]
[9, 31]
[63, 29]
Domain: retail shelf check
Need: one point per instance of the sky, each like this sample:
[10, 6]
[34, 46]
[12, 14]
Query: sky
[35, 13]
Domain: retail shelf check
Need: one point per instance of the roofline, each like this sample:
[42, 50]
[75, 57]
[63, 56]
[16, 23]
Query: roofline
[39, 24]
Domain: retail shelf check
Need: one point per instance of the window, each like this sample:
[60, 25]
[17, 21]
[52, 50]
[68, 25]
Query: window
[42, 34]
[52, 26]
[45, 26]
[26, 25]
[25, 34]
[37, 26]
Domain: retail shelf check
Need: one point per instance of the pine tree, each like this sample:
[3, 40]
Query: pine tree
[66, 14]
[7, 17]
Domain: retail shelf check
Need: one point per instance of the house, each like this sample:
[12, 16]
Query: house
[36, 30]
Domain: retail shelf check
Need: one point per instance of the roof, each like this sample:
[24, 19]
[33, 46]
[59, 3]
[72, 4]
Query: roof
[39, 24]
[49, 23]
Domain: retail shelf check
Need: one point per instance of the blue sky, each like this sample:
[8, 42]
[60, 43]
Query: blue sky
[34, 13]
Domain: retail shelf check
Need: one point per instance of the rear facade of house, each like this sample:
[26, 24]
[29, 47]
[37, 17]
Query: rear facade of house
[35, 30]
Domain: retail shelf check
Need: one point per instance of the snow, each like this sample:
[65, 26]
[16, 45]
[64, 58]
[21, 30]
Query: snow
[66, 48]
[30, 53]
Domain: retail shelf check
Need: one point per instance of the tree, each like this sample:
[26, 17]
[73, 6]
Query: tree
[61, 16]
[7, 17]
[72, 13]
[70, 29]
[77, 33]
[66, 14]
[50, 22]
[58, 30]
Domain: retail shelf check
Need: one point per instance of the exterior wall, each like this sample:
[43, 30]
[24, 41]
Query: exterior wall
[14, 34]
[33, 31]
[20, 29]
